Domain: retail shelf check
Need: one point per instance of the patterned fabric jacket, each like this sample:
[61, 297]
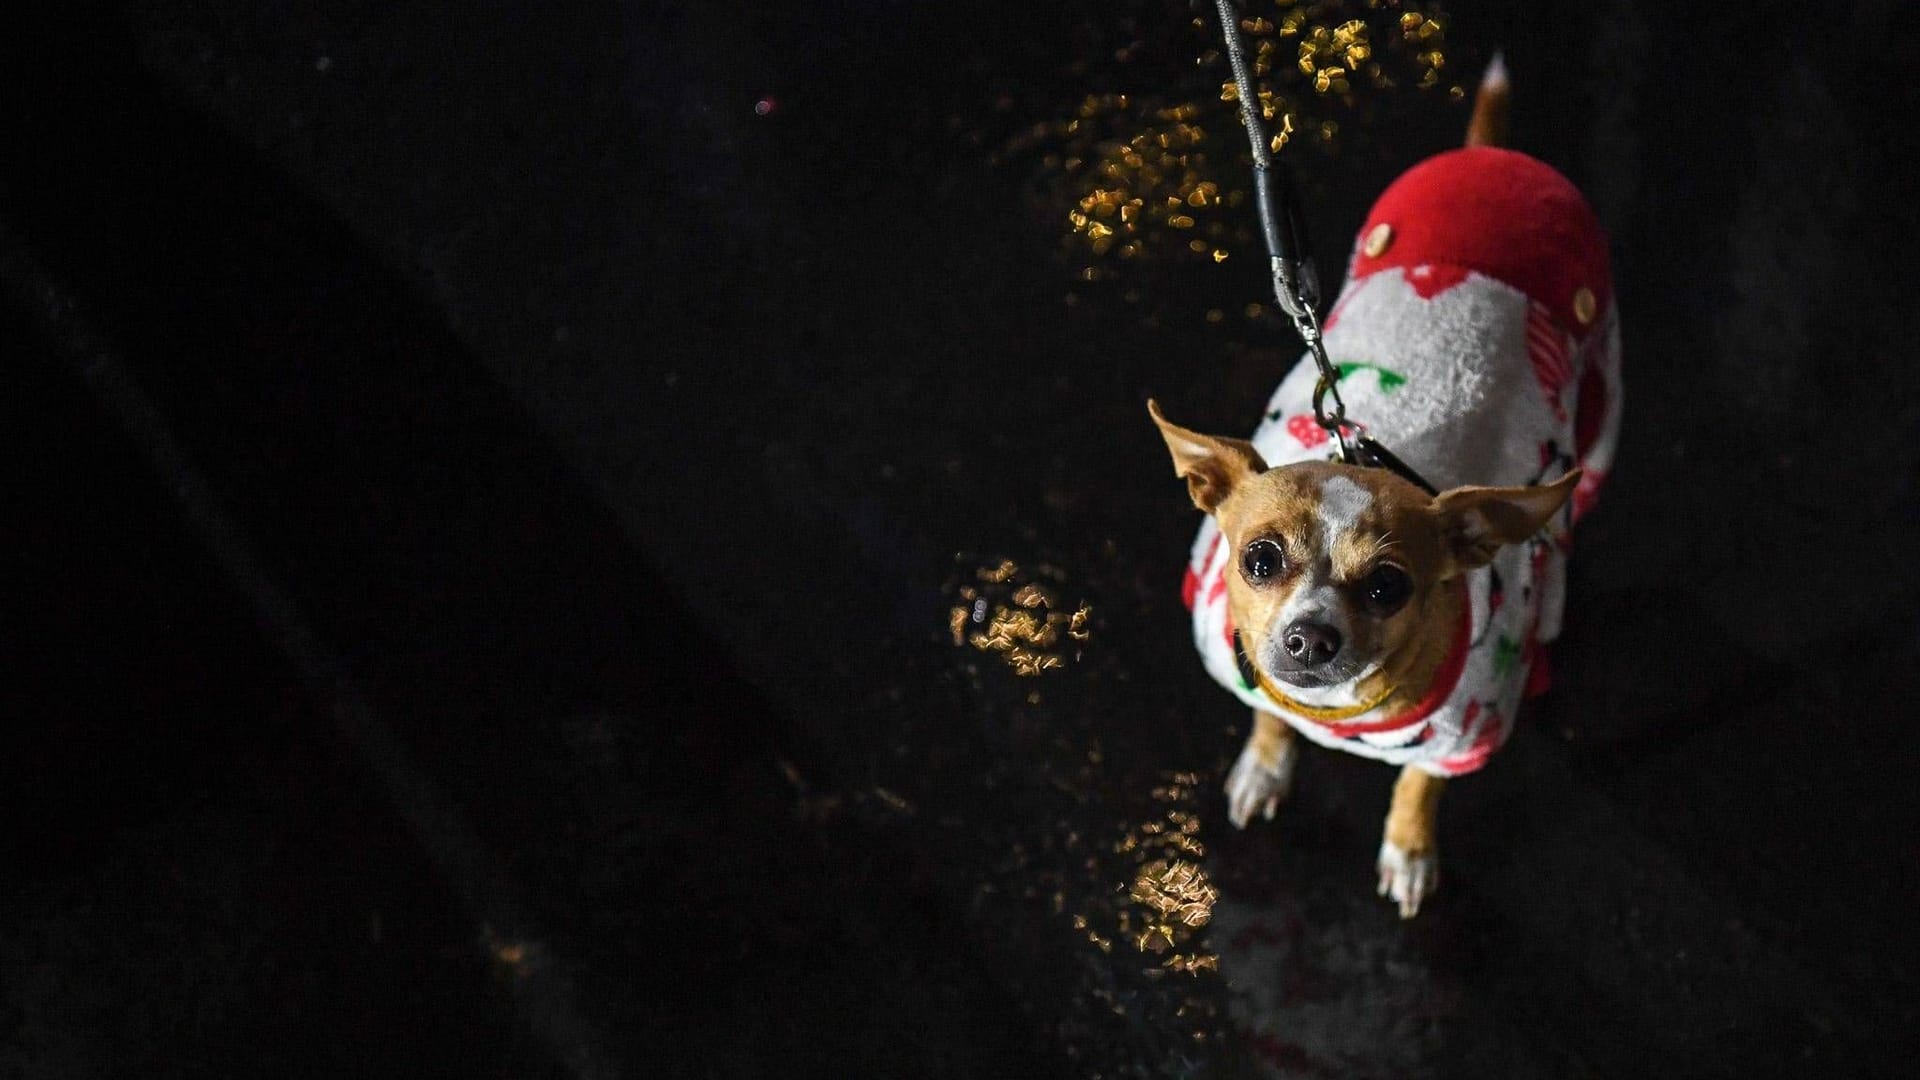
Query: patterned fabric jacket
[1476, 337]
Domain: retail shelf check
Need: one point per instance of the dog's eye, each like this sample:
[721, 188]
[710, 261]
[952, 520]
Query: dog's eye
[1262, 560]
[1386, 588]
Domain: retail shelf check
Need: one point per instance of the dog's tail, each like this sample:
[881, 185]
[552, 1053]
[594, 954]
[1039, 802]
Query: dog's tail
[1489, 124]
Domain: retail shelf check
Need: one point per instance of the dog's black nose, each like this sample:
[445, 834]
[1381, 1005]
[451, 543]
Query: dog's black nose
[1311, 644]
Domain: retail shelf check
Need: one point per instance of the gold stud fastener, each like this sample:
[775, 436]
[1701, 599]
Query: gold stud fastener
[1379, 238]
[1583, 305]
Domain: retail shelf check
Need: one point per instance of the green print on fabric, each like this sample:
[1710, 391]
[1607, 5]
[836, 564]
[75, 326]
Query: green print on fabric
[1389, 380]
[1506, 653]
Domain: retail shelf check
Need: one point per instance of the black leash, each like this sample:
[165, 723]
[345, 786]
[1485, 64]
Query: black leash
[1296, 280]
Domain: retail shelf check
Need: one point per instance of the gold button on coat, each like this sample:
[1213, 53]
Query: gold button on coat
[1379, 238]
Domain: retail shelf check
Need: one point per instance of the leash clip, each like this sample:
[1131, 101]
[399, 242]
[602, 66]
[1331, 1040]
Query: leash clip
[1296, 279]
[1334, 422]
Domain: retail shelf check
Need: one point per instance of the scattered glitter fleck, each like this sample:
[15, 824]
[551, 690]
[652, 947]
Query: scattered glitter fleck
[1013, 614]
[1169, 895]
[893, 800]
[517, 957]
[1193, 964]
[1137, 171]
[999, 574]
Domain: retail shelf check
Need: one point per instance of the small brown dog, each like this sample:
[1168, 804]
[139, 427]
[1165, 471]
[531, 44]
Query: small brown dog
[1476, 337]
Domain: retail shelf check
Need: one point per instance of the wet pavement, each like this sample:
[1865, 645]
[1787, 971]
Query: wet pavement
[529, 649]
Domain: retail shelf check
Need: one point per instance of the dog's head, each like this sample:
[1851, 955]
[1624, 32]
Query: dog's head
[1339, 572]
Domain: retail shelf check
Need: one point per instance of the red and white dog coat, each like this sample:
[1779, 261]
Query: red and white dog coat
[1475, 337]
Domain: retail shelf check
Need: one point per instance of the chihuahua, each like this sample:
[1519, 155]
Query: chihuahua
[1475, 336]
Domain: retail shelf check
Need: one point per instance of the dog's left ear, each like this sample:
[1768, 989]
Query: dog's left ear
[1476, 522]
[1212, 466]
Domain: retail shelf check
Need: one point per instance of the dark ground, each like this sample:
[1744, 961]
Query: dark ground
[514, 642]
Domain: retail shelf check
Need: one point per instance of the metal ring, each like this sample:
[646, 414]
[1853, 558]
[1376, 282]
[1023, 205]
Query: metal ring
[1320, 389]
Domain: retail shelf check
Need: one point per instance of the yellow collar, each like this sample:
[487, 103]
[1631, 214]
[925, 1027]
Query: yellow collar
[1324, 714]
[1443, 684]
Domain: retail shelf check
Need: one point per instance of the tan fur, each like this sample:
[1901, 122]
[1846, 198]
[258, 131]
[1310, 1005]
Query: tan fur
[1433, 539]
[1212, 466]
[1409, 865]
[1284, 503]
[1491, 110]
[1410, 671]
[1413, 817]
[1476, 522]
[1271, 736]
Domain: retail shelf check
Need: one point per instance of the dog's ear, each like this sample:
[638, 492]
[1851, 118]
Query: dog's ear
[1476, 522]
[1212, 466]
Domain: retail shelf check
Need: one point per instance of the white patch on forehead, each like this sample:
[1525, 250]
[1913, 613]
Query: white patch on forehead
[1342, 501]
[1314, 600]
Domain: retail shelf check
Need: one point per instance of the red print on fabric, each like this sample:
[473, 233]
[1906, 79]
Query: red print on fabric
[1547, 350]
[1587, 491]
[1484, 743]
[1430, 281]
[1306, 431]
[1190, 584]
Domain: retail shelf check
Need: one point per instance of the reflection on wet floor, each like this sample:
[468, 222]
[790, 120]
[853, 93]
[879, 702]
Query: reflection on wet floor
[1312, 996]
[1144, 909]
[1171, 892]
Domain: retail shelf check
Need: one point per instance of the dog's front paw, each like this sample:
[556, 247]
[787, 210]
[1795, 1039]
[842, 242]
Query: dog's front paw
[1407, 878]
[1254, 787]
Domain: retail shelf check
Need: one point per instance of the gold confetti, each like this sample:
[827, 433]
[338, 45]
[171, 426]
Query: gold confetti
[1143, 169]
[1170, 896]
[893, 800]
[1032, 596]
[1194, 963]
[1017, 618]
[1002, 573]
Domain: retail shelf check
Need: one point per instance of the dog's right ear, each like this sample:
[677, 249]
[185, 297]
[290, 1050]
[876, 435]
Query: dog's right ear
[1212, 466]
